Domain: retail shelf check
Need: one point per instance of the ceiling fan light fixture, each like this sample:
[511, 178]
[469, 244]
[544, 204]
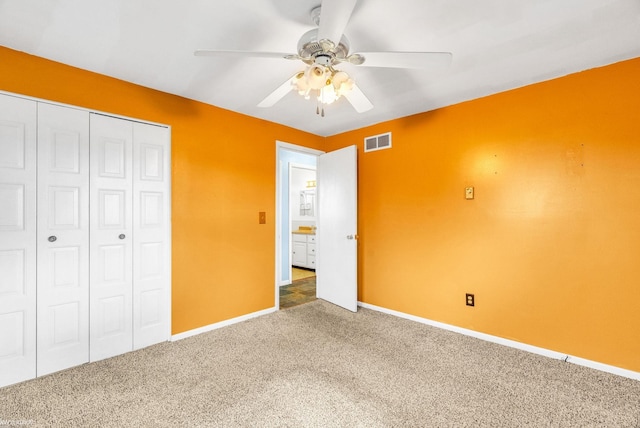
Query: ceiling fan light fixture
[342, 83]
[316, 76]
[327, 94]
[326, 83]
[300, 85]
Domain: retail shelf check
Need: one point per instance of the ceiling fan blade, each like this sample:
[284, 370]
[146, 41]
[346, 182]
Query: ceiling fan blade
[334, 16]
[358, 100]
[430, 60]
[278, 94]
[228, 54]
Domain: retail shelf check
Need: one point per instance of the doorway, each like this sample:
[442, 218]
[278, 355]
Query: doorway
[337, 255]
[303, 221]
[295, 211]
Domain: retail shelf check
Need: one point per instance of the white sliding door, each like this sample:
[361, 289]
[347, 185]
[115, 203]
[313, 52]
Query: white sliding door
[63, 238]
[111, 248]
[17, 240]
[152, 235]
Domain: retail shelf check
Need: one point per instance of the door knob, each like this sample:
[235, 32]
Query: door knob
[121, 236]
[349, 236]
[52, 238]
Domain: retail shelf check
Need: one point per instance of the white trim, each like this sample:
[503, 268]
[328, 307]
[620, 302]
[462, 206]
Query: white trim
[221, 324]
[510, 343]
[302, 166]
[296, 148]
[170, 234]
[278, 228]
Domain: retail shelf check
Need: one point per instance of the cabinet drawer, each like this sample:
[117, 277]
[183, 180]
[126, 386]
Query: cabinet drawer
[311, 239]
[299, 238]
[311, 262]
[311, 249]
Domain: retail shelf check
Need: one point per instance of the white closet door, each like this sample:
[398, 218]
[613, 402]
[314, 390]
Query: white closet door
[63, 238]
[111, 289]
[152, 235]
[17, 240]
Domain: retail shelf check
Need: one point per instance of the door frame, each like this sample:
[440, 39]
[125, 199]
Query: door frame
[278, 209]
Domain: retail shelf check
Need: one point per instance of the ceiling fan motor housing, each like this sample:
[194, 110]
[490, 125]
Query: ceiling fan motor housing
[312, 50]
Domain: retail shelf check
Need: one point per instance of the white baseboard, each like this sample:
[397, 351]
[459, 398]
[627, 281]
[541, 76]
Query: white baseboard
[511, 343]
[221, 324]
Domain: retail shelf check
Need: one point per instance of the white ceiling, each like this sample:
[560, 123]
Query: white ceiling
[496, 44]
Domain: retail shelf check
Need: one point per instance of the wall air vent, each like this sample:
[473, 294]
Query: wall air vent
[377, 142]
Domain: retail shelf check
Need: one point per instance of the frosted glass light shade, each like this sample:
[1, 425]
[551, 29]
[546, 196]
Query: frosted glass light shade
[342, 83]
[316, 76]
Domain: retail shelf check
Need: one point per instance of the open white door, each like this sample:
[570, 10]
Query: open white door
[337, 255]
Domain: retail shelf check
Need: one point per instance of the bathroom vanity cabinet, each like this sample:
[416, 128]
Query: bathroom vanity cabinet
[304, 250]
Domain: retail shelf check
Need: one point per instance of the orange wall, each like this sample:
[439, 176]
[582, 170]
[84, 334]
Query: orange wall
[550, 246]
[223, 174]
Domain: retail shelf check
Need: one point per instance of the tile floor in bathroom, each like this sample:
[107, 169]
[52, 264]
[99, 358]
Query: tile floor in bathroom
[302, 290]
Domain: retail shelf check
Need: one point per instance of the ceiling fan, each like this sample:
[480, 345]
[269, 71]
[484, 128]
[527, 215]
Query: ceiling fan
[324, 48]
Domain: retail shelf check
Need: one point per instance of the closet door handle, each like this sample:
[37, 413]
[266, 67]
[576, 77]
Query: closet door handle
[52, 238]
[121, 236]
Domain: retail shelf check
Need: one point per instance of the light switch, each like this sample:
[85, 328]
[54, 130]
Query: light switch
[262, 217]
[468, 193]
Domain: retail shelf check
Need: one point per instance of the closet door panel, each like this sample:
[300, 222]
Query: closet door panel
[151, 207]
[111, 225]
[17, 239]
[63, 238]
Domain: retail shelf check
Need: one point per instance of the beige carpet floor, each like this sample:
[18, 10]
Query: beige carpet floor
[316, 365]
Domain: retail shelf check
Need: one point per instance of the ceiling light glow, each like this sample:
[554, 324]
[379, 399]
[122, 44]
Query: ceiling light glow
[324, 82]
